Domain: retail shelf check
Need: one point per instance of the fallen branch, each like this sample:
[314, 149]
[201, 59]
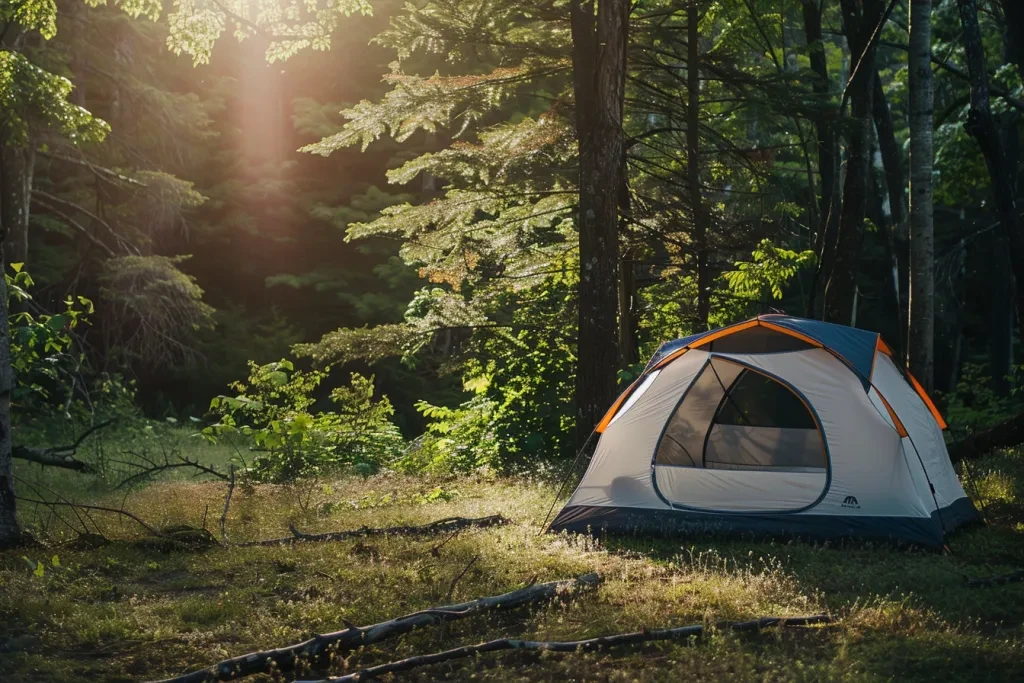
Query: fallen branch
[1003, 435]
[1012, 577]
[440, 526]
[153, 467]
[100, 508]
[286, 658]
[60, 456]
[680, 633]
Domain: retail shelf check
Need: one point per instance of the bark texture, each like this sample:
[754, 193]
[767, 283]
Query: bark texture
[827, 143]
[601, 643]
[10, 531]
[921, 325]
[18, 164]
[860, 20]
[599, 76]
[701, 218]
[285, 658]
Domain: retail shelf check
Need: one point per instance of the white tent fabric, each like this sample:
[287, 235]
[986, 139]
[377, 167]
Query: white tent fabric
[695, 447]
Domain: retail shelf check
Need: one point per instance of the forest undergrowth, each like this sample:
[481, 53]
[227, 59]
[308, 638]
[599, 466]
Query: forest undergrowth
[136, 607]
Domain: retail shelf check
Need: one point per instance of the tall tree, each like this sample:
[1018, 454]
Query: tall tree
[982, 127]
[599, 78]
[700, 212]
[921, 326]
[862, 21]
[826, 143]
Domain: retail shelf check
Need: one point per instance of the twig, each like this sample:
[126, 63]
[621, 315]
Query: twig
[227, 504]
[591, 644]
[157, 467]
[60, 456]
[440, 526]
[1012, 577]
[451, 588]
[285, 658]
[100, 508]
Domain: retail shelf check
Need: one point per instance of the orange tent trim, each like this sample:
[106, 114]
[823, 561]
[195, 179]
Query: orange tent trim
[606, 420]
[927, 400]
[892, 415]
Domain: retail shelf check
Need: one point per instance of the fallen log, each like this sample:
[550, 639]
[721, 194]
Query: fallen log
[1012, 577]
[438, 527]
[286, 658]
[603, 642]
[1003, 435]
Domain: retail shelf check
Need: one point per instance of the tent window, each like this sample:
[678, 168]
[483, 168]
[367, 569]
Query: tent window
[755, 400]
[736, 418]
[757, 339]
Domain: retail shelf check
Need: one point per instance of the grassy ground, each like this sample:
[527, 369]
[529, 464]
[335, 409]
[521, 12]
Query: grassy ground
[135, 610]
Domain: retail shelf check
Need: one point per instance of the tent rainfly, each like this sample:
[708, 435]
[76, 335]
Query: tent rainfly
[775, 426]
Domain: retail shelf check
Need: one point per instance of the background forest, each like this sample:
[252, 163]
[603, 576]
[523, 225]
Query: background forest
[295, 242]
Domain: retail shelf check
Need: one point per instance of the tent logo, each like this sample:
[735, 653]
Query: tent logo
[850, 502]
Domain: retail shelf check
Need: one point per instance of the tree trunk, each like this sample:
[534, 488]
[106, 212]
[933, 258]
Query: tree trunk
[826, 146]
[1001, 316]
[700, 212]
[842, 280]
[921, 326]
[896, 231]
[10, 532]
[599, 75]
[628, 352]
[16, 186]
[982, 126]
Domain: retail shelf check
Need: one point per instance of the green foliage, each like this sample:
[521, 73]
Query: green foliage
[157, 307]
[33, 97]
[43, 354]
[460, 439]
[975, 405]
[759, 280]
[275, 409]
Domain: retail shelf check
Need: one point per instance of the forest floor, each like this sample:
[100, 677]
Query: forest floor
[138, 610]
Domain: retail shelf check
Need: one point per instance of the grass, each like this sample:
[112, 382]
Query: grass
[135, 610]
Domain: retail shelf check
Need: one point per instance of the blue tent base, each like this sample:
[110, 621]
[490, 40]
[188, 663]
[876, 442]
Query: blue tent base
[926, 532]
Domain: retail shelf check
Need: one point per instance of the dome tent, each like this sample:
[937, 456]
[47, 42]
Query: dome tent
[775, 426]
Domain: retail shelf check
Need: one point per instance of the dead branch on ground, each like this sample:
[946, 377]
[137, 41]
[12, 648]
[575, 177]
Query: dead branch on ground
[285, 658]
[149, 467]
[680, 633]
[60, 456]
[438, 527]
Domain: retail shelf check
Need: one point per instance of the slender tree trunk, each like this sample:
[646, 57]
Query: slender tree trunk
[701, 218]
[628, 352]
[896, 230]
[840, 290]
[1000, 318]
[16, 187]
[982, 126]
[921, 326]
[599, 75]
[826, 143]
[10, 532]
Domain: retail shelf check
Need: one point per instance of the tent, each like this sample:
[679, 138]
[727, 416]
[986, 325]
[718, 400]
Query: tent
[775, 426]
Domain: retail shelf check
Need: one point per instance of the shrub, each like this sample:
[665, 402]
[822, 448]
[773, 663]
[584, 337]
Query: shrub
[275, 409]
